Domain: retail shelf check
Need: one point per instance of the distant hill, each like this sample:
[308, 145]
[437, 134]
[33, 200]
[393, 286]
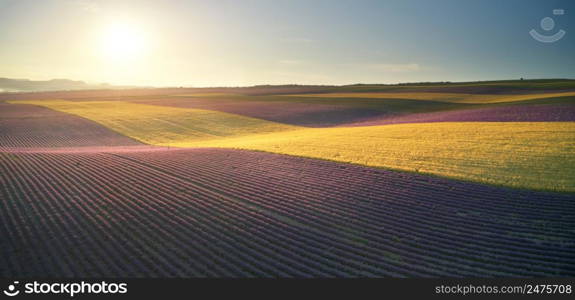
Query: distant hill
[26, 85]
[65, 88]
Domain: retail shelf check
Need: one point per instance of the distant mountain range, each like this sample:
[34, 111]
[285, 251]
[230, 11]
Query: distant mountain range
[26, 85]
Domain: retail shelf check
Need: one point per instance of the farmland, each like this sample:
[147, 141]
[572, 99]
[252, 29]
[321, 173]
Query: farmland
[35, 126]
[489, 152]
[443, 97]
[449, 180]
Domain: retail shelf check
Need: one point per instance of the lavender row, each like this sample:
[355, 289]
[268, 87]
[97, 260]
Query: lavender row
[34, 126]
[172, 222]
[102, 189]
[508, 113]
[332, 212]
[291, 190]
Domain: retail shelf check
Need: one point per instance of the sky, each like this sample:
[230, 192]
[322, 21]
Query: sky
[252, 42]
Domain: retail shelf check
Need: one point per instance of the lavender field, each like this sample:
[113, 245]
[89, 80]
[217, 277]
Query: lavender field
[80, 199]
[177, 213]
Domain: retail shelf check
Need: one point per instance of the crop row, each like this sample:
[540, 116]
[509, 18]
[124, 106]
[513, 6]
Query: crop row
[507, 225]
[215, 212]
[471, 229]
[90, 224]
[508, 113]
[34, 126]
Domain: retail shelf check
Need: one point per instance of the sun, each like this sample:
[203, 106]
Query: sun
[123, 41]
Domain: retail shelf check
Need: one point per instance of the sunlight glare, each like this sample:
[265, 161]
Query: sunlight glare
[123, 41]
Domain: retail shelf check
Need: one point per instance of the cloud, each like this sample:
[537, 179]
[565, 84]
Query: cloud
[397, 68]
[88, 5]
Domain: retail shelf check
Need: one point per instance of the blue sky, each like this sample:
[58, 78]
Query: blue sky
[226, 43]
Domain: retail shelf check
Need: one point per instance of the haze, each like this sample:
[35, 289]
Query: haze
[237, 43]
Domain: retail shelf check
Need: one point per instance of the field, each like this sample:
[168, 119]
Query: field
[489, 152]
[36, 127]
[443, 97]
[446, 180]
